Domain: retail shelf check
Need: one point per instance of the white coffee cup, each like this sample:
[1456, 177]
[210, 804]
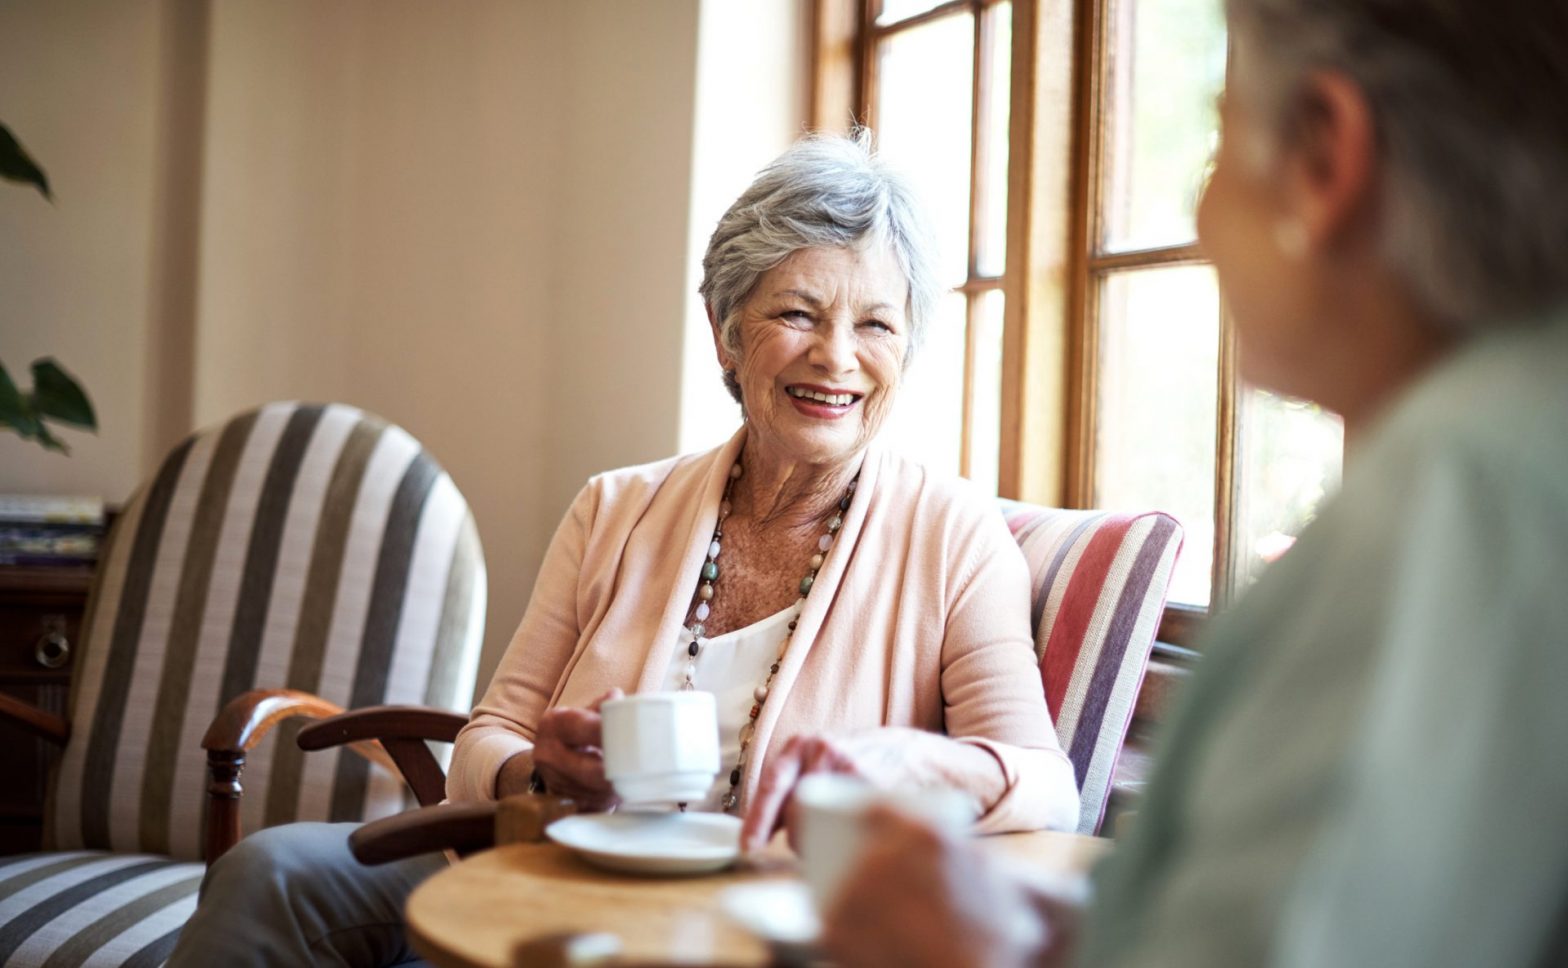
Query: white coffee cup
[831, 811]
[661, 747]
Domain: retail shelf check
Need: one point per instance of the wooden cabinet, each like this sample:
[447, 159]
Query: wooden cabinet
[40, 627]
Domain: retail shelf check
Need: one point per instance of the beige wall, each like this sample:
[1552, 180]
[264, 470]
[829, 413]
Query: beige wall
[376, 227]
[475, 219]
[80, 86]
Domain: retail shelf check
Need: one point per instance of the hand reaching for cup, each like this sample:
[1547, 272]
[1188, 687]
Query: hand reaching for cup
[568, 754]
[917, 896]
[769, 807]
[888, 758]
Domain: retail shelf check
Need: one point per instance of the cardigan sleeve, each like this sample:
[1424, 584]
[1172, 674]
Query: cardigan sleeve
[503, 723]
[992, 694]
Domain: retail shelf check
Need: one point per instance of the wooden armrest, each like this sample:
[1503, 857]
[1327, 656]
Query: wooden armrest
[247, 718]
[242, 723]
[37, 721]
[382, 722]
[403, 731]
[461, 827]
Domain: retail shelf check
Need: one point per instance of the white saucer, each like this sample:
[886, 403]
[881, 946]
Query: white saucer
[651, 843]
[780, 913]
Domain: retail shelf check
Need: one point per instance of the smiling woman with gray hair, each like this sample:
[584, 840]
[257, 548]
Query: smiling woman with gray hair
[1367, 767]
[819, 285]
[851, 611]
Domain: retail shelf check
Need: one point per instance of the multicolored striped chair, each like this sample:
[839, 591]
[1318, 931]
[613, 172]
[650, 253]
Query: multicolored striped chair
[1100, 580]
[310, 547]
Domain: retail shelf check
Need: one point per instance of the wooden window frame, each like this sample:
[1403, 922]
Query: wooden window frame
[1055, 264]
[846, 35]
[1091, 265]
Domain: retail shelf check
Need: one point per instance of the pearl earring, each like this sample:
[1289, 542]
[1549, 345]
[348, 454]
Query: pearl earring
[1291, 237]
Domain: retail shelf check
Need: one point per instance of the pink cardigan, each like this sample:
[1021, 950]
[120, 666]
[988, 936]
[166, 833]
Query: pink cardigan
[919, 618]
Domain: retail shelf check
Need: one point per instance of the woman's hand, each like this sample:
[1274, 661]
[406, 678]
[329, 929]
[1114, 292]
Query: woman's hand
[770, 804]
[888, 757]
[918, 897]
[568, 757]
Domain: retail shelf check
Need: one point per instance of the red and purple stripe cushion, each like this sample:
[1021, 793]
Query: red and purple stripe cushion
[1099, 588]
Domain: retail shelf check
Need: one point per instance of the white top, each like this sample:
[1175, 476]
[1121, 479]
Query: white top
[731, 666]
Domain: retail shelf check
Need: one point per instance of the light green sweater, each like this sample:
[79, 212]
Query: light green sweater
[1370, 765]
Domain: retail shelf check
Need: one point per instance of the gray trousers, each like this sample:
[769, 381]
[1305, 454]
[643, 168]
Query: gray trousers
[294, 895]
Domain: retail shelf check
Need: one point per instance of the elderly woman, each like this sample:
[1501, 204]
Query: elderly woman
[847, 607]
[851, 611]
[1368, 766]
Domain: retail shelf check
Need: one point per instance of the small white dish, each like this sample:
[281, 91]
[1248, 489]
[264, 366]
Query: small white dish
[778, 912]
[651, 843]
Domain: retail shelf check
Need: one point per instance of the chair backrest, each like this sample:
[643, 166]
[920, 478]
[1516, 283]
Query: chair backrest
[305, 546]
[1100, 580]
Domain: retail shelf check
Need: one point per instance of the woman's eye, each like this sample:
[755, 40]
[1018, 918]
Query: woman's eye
[795, 315]
[878, 324]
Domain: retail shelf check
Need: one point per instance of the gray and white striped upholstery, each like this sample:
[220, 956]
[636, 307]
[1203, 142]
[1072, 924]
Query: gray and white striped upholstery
[88, 907]
[306, 546]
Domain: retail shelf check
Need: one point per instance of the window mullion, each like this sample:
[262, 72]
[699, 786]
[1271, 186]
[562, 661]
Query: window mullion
[979, 110]
[868, 62]
[1228, 500]
[971, 338]
[1083, 378]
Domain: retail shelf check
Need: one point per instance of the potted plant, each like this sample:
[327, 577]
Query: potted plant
[55, 394]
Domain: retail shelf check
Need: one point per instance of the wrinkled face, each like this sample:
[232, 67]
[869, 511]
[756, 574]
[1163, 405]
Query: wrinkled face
[1270, 292]
[822, 344]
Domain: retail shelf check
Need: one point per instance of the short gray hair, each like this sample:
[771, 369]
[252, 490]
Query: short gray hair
[1467, 100]
[826, 190]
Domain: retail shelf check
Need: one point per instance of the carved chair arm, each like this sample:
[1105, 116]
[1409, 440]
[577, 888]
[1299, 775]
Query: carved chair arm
[242, 723]
[383, 722]
[37, 721]
[247, 718]
[404, 731]
[460, 827]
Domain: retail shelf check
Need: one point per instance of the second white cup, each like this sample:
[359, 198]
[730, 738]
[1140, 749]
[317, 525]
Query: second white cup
[832, 810]
[661, 747]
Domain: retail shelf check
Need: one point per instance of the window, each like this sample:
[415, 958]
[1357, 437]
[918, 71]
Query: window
[936, 81]
[1086, 350]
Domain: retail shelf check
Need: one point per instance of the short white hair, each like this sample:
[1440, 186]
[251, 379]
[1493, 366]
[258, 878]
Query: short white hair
[1467, 101]
[826, 190]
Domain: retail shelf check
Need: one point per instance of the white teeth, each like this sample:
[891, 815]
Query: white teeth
[832, 399]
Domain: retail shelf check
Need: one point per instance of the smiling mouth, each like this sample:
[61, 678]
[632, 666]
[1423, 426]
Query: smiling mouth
[820, 396]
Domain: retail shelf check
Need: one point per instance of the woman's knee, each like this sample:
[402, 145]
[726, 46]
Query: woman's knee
[283, 856]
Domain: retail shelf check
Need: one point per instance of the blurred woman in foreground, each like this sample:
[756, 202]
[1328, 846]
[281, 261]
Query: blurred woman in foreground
[1367, 767]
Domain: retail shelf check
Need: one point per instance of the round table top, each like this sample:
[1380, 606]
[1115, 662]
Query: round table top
[476, 913]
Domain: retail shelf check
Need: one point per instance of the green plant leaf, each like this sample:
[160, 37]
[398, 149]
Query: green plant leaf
[16, 411]
[49, 440]
[17, 165]
[57, 395]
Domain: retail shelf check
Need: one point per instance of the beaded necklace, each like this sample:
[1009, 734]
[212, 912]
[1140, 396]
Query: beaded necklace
[701, 608]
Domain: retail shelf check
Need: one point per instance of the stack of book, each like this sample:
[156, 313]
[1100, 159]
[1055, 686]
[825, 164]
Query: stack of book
[51, 531]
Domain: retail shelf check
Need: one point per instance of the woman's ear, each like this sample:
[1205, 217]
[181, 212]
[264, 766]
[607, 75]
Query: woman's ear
[1331, 149]
[726, 360]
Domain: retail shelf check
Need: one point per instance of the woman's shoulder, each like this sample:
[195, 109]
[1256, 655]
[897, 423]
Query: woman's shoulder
[1498, 404]
[933, 503]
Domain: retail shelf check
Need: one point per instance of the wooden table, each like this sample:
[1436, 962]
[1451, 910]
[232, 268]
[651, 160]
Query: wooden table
[477, 912]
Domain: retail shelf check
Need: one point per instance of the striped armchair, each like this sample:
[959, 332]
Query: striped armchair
[1099, 583]
[1100, 580]
[312, 547]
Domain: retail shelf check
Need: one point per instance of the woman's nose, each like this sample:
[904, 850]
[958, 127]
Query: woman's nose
[834, 349]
